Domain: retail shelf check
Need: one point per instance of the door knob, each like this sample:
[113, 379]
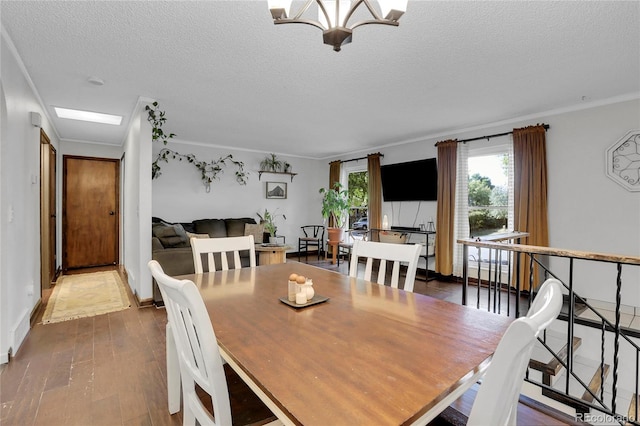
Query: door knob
[111, 213]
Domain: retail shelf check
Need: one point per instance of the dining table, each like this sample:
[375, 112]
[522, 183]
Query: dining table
[367, 355]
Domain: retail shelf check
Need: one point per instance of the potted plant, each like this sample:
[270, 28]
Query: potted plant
[271, 164]
[335, 205]
[268, 219]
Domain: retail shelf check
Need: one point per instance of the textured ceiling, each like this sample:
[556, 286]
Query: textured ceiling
[227, 76]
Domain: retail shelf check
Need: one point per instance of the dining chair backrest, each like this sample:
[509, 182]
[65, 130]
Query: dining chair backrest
[496, 402]
[198, 353]
[386, 252]
[313, 231]
[224, 250]
[313, 237]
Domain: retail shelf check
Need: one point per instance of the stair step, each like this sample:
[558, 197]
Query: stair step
[595, 383]
[553, 367]
[583, 368]
[631, 413]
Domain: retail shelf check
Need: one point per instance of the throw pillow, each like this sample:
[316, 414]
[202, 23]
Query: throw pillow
[256, 230]
[191, 235]
[171, 236]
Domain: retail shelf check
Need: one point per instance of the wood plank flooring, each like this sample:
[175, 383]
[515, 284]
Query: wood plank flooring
[104, 370]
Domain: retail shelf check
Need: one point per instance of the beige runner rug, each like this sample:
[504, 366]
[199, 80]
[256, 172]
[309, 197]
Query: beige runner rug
[85, 295]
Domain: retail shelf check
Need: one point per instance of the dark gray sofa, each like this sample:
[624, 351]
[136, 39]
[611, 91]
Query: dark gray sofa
[170, 244]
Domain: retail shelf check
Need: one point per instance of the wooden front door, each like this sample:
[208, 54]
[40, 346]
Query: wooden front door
[91, 213]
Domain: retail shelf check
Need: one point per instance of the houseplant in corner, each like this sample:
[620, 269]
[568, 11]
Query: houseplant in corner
[335, 205]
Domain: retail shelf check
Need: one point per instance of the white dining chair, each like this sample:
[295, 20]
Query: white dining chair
[222, 246]
[197, 350]
[496, 402]
[386, 252]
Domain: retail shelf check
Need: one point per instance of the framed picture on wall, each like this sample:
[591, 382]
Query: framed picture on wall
[276, 190]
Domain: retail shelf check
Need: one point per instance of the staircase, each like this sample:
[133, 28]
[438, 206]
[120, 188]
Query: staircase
[588, 361]
[589, 385]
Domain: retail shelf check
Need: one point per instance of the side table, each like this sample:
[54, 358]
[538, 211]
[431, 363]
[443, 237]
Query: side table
[270, 254]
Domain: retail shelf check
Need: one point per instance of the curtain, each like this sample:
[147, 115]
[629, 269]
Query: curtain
[530, 193]
[461, 213]
[335, 168]
[375, 191]
[446, 206]
[511, 195]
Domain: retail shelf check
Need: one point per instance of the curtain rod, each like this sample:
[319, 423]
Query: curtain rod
[487, 137]
[361, 158]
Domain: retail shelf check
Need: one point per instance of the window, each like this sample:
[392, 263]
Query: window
[358, 186]
[488, 192]
[484, 204]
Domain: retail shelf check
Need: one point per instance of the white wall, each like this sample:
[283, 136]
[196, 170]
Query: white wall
[180, 196]
[587, 210]
[88, 149]
[19, 200]
[137, 205]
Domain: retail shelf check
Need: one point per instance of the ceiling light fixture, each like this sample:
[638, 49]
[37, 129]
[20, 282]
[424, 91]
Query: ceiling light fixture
[333, 16]
[97, 81]
[94, 117]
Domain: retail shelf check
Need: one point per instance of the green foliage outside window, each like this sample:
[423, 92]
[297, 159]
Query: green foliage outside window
[494, 199]
[358, 195]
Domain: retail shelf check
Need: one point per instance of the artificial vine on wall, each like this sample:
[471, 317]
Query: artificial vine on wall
[157, 120]
[208, 170]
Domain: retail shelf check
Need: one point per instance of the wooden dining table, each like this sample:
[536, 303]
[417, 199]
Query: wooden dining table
[368, 355]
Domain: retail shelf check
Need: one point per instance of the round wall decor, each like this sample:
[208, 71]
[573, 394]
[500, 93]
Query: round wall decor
[623, 161]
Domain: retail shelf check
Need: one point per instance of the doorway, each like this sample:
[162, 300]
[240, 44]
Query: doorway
[48, 252]
[91, 213]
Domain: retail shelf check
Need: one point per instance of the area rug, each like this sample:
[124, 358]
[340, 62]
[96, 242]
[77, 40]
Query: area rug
[85, 295]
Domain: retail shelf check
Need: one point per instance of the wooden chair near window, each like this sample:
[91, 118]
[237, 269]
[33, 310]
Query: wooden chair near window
[383, 253]
[223, 251]
[197, 351]
[497, 400]
[313, 238]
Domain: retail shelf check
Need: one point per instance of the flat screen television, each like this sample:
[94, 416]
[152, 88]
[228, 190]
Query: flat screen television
[410, 181]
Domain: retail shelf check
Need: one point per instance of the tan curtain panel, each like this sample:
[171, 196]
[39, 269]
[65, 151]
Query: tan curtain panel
[447, 165]
[375, 191]
[530, 193]
[334, 177]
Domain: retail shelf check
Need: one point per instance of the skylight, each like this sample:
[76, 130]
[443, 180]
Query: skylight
[94, 117]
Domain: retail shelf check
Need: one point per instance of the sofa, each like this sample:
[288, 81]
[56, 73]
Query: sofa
[171, 247]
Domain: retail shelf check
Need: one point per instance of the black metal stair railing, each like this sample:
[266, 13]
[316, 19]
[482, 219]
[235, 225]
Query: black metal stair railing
[501, 256]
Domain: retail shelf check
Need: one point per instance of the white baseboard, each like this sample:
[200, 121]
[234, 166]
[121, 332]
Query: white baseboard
[19, 333]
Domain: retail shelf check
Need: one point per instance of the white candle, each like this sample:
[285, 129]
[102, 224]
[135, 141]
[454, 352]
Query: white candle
[292, 291]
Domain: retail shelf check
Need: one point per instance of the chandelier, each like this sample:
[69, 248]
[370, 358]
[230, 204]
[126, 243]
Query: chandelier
[333, 16]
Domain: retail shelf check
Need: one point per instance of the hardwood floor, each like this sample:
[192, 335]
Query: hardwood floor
[104, 370]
